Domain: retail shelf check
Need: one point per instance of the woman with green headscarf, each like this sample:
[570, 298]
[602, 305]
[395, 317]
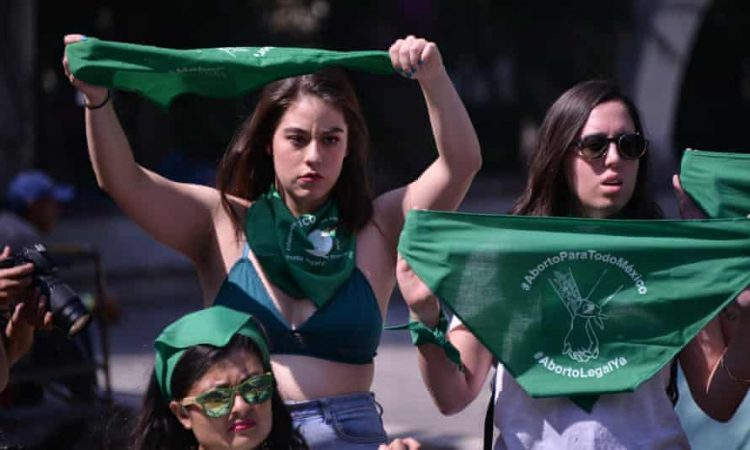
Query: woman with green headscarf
[213, 388]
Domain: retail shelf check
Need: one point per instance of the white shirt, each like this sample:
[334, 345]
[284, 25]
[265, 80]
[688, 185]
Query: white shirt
[643, 419]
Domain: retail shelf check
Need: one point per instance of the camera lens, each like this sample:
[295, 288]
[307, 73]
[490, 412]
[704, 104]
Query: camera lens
[68, 312]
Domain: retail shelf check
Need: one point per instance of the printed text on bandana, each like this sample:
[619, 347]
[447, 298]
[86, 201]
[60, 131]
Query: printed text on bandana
[588, 255]
[579, 372]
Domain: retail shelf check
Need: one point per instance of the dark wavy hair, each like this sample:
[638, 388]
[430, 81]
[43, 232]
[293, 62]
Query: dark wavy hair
[158, 429]
[247, 171]
[547, 192]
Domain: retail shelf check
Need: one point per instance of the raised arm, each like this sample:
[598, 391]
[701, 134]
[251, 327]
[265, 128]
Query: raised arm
[451, 389]
[717, 361]
[445, 182]
[176, 214]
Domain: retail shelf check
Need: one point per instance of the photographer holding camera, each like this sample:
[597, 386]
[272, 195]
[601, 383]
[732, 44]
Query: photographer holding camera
[28, 314]
[33, 205]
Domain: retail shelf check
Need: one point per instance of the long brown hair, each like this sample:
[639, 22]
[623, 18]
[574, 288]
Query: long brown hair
[547, 192]
[247, 171]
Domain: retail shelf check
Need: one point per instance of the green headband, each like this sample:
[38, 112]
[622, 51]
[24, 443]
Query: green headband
[213, 326]
[161, 74]
[719, 182]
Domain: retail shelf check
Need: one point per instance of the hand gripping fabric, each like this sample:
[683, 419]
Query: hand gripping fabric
[719, 182]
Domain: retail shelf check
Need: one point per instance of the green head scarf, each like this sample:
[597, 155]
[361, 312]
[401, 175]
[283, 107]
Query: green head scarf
[719, 182]
[161, 74]
[214, 326]
[579, 307]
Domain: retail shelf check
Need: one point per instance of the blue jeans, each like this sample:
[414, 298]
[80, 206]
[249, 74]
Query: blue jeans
[341, 422]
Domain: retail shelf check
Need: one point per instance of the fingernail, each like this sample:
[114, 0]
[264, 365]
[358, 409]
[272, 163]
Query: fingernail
[84, 37]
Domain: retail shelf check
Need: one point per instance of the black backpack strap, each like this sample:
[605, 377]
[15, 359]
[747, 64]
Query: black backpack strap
[489, 418]
[673, 391]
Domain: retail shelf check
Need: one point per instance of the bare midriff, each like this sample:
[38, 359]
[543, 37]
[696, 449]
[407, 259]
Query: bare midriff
[305, 378]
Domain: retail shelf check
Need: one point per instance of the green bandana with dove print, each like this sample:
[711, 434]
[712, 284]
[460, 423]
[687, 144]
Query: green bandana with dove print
[308, 256]
[161, 74]
[579, 307]
[719, 182]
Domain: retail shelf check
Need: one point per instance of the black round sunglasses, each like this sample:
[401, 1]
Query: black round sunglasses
[594, 146]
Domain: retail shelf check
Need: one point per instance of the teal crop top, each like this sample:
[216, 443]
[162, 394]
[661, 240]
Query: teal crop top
[347, 329]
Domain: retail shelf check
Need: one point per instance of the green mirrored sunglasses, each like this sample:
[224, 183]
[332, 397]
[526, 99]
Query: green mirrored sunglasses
[218, 402]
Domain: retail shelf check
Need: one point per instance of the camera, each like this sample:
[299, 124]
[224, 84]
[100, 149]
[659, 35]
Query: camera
[68, 312]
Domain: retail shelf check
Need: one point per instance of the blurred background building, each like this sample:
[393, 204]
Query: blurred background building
[685, 62]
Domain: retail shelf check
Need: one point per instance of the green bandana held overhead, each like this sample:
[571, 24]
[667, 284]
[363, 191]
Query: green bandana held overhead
[213, 326]
[161, 74]
[719, 182]
[579, 307]
[306, 256]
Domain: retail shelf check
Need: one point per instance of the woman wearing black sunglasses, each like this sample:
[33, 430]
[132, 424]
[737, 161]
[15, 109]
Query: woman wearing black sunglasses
[591, 161]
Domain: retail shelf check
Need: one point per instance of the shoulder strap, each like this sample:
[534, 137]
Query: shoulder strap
[673, 391]
[489, 422]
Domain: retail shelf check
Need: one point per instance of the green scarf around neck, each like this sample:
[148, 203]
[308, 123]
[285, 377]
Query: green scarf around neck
[579, 307]
[161, 74]
[719, 182]
[214, 326]
[309, 256]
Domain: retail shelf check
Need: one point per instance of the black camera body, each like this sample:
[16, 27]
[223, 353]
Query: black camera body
[68, 312]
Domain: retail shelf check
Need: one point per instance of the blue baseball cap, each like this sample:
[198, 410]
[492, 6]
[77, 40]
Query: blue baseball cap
[31, 185]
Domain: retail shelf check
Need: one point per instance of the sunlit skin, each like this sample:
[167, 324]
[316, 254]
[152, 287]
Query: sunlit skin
[603, 186]
[246, 426]
[308, 149]
[191, 218]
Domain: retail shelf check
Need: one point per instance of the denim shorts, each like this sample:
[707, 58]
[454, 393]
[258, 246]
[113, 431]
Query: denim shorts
[342, 422]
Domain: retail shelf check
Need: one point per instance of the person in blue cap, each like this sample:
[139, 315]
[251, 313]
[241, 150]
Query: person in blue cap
[36, 201]
[33, 204]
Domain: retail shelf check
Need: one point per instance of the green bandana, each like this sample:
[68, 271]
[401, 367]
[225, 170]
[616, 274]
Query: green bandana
[305, 256]
[577, 307]
[719, 182]
[161, 74]
[213, 326]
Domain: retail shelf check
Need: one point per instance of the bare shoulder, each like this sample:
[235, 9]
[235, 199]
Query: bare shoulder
[224, 245]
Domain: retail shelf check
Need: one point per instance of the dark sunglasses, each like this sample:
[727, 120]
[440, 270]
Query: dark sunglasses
[594, 146]
[218, 402]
